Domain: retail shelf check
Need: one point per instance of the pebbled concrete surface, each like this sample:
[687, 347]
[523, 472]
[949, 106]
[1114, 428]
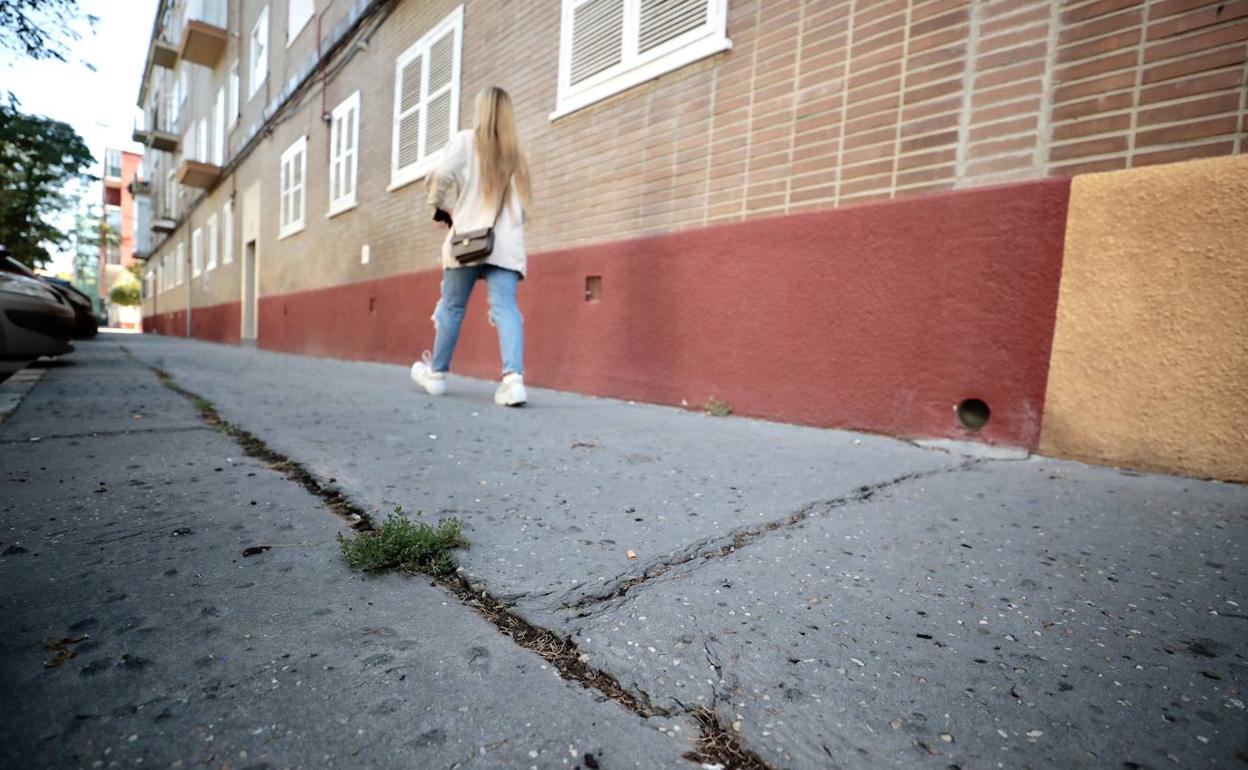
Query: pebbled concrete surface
[1036, 614]
[929, 610]
[553, 496]
[126, 536]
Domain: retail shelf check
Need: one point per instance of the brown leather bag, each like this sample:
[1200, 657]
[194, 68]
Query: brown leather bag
[477, 245]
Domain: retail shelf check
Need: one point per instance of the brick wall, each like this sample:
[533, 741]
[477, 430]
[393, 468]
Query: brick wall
[818, 104]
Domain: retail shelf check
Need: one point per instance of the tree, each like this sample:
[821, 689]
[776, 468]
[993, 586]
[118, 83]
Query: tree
[41, 29]
[126, 293]
[38, 158]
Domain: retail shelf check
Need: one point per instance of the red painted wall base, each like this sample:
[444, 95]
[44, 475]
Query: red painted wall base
[881, 317]
[216, 323]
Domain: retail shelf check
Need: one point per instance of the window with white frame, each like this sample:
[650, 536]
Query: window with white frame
[112, 164]
[608, 46]
[171, 195]
[175, 104]
[426, 100]
[197, 252]
[227, 233]
[180, 265]
[258, 53]
[298, 18]
[344, 133]
[294, 167]
[218, 128]
[162, 275]
[234, 94]
[213, 236]
[201, 141]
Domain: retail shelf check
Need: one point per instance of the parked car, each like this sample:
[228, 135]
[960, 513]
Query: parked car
[87, 325]
[35, 320]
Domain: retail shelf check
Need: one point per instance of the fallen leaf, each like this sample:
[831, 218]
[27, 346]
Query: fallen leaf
[252, 550]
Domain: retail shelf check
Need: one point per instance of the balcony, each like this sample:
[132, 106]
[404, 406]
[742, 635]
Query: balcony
[163, 223]
[154, 129]
[164, 54]
[194, 173]
[157, 140]
[204, 36]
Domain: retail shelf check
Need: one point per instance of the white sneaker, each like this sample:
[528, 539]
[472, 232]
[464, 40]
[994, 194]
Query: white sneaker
[423, 375]
[511, 391]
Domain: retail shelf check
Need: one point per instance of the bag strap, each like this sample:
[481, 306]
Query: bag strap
[498, 211]
[502, 200]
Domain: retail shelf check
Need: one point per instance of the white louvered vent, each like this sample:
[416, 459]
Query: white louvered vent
[438, 125]
[410, 88]
[409, 139]
[441, 62]
[610, 46]
[597, 37]
[348, 155]
[664, 20]
[335, 171]
[342, 152]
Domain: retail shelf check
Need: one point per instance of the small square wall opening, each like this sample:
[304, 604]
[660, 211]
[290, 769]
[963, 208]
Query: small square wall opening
[593, 288]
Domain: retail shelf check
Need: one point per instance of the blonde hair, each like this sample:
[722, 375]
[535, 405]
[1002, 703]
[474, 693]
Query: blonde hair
[499, 157]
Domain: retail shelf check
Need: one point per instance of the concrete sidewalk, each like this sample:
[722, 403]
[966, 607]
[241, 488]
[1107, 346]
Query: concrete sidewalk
[836, 599]
[124, 522]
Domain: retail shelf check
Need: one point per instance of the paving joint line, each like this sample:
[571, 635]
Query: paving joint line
[715, 744]
[718, 547]
[102, 434]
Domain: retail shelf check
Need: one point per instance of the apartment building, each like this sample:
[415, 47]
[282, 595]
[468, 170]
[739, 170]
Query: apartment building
[698, 167]
[122, 229]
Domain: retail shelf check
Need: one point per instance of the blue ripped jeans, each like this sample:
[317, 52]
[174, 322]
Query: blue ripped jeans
[457, 283]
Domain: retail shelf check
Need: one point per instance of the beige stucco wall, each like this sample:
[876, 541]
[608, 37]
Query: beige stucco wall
[1150, 352]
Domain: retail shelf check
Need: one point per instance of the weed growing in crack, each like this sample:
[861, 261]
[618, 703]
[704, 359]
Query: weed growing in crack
[204, 405]
[716, 408]
[406, 545]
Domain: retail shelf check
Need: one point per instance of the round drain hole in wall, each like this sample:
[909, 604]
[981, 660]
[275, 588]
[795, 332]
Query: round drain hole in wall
[972, 413]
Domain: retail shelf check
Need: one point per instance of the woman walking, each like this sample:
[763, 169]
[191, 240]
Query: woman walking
[483, 171]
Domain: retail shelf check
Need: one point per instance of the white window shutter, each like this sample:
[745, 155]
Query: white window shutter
[348, 156]
[335, 159]
[297, 193]
[285, 202]
[438, 106]
[597, 37]
[409, 113]
[664, 20]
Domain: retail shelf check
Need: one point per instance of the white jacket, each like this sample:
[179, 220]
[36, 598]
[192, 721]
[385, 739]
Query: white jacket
[455, 186]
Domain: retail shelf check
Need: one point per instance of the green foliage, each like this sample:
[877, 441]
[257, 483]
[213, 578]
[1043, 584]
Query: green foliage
[126, 294]
[41, 29]
[405, 545]
[716, 408]
[38, 158]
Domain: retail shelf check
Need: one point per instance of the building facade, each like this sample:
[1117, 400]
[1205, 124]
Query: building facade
[121, 230]
[696, 167]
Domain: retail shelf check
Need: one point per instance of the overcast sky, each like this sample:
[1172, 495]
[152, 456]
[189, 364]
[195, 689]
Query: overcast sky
[100, 105]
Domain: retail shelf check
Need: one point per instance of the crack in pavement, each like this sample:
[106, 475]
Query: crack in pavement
[723, 545]
[715, 744]
[103, 434]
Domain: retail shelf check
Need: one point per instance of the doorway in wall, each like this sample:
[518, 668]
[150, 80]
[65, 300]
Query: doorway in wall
[250, 294]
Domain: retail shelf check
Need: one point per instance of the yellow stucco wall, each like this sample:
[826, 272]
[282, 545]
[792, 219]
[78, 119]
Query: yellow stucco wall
[1150, 352]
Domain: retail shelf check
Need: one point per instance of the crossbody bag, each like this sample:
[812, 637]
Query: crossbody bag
[477, 245]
